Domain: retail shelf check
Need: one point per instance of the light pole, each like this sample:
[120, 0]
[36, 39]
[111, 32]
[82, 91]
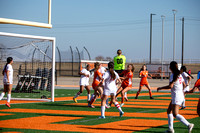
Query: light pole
[162, 56]
[150, 36]
[174, 12]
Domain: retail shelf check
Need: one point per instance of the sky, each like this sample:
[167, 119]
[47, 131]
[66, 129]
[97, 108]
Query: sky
[104, 26]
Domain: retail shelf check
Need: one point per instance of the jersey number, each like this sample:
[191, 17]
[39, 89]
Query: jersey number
[120, 61]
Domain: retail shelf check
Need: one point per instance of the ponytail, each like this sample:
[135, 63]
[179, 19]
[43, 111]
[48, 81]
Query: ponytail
[111, 70]
[175, 71]
[9, 59]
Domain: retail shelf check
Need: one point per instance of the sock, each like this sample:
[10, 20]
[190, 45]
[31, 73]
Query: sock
[92, 100]
[118, 107]
[150, 93]
[2, 95]
[182, 119]
[111, 102]
[88, 97]
[77, 94]
[183, 104]
[137, 94]
[8, 98]
[107, 101]
[170, 121]
[102, 110]
[125, 94]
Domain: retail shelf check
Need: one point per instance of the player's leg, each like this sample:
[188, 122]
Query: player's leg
[123, 94]
[4, 92]
[183, 103]
[93, 99]
[103, 105]
[175, 111]
[9, 88]
[117, 105]
[198, 108]
[138, 92]
[88, 92]
[78, 94]
[119, 91]
[170, 118]
[149, 88]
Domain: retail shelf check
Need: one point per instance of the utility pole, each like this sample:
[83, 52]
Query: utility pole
[182, 41]
[162, 56]
[150, 37]
[174, 45]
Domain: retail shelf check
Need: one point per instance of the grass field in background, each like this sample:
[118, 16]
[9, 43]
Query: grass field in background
[142, 115]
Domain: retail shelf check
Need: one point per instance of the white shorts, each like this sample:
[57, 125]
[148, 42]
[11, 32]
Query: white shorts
[187, 88]
[178, 100]
[6, 83]
[109, 92]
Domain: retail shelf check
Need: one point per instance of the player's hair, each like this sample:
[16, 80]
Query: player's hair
[184, 68]
[9, 59]
[111, 70]
[142, 68]
[133, 68]
[119, 51]
[174, 68]
[96, 64]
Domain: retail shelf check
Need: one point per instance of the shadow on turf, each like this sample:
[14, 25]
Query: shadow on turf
[59, 105]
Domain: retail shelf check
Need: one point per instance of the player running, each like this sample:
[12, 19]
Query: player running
[7, 80]
[97, 79]
[143, 82]
[110, 78]
[187, 80]
[84, 83]
[126, 82]
[196, 86]
[176, 84]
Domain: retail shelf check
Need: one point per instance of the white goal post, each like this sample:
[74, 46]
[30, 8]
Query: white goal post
[26, 46]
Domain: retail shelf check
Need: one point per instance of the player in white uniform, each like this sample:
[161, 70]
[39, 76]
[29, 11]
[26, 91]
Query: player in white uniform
[84, 82]
[187, 80]
[176, 84]
[110, 78]
[7, 80]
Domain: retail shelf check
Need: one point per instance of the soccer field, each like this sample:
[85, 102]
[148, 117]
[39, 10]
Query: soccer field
[142, 115]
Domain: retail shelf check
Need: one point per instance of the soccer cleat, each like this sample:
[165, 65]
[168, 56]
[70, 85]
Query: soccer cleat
[183, 107]
[190, 127]
[151, 98]
[170, 131]
[136, 97]
[122, 105]
[91, 106]
[121, 114]
[102, 117]
[75, 100]
[8, 104]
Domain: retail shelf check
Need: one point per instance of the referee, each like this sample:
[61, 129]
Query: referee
[119, 62]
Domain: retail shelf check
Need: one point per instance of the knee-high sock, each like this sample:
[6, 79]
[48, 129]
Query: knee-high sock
[92, 100]
[2, 95]
[107, 101]
[88, 97]
[8, 98]
[170, 121]
[137, 94]
[183, 104]
[102, 110]
[182, 119]
[125, 94]
[150, 93]
[118, 107]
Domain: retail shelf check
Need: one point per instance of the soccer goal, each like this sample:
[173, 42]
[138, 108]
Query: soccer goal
[34, 65]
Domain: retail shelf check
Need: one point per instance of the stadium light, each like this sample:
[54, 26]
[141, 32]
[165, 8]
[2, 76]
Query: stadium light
[174, 12]
[150, 36]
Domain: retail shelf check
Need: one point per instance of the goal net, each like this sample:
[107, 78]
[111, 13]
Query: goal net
[34, 65]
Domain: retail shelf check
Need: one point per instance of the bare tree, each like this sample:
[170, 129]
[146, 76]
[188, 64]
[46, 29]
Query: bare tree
[99, 58]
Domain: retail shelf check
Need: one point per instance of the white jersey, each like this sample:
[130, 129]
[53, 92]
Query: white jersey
[177, 94]
[5, 79]
[185, 77]
[110, 87]
[84, 79]
[102, 70]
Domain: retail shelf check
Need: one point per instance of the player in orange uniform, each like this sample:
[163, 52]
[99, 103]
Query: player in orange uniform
[126, 82]
[143, 82]
[96, 81]
[197, 85]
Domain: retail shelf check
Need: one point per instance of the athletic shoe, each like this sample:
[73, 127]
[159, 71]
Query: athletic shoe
[183, 107]
[102, 117]
[8, 104]
[75, 100]
[91, 106]
[126, 98]
[122, 105]
[107, 106]
[136, 97]
[151, 98]
[170, 131]
[121, 114]
[190, 127]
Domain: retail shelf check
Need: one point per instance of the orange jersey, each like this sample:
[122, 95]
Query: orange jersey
[96, 79]
[143, 75]
[197, 83]
[128, 81]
